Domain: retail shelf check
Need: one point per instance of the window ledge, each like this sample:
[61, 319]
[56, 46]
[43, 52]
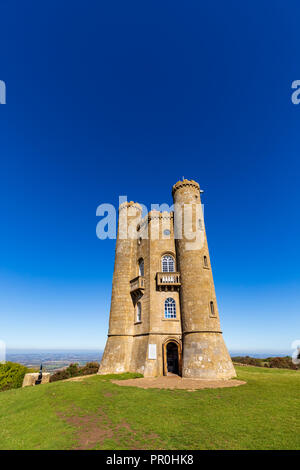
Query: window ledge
[170, 319]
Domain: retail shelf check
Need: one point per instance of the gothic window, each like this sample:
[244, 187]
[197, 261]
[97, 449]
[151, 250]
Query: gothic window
[170, 308]
[138, 312]
[167, 264]
[141, 267]
[212, 308]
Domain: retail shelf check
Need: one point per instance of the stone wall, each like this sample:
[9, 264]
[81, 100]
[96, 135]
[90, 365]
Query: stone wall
[30, 379]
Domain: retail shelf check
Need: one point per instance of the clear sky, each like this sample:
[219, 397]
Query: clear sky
[124, 98]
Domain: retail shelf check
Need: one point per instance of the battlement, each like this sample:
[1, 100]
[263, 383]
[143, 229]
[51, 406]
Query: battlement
[183, 183]
[130, 204]
[159, 215]
[155, 216]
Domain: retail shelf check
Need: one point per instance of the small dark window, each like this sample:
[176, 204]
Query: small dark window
[212, 308]
[138, 312]
[205, 261]
[141, 267]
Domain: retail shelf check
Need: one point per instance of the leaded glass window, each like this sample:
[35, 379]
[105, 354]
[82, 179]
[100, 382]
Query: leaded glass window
[170, 308]
[168, 264]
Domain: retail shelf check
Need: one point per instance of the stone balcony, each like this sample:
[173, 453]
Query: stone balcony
[168, 281]
[137, 285]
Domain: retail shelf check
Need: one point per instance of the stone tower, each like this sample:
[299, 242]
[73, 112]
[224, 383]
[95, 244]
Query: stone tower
[164, 316]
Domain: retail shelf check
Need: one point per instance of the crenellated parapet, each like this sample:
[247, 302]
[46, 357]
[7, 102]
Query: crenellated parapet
[185, 183]
[130, 204]
[160, 215]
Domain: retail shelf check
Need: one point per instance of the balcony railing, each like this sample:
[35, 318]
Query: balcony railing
[137, 284]
[167, 280]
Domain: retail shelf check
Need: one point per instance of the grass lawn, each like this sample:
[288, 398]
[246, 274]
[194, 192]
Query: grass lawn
[96, 414]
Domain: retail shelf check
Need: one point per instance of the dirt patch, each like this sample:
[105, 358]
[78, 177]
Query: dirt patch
[80, 378]
[93, 430]
[176, 382]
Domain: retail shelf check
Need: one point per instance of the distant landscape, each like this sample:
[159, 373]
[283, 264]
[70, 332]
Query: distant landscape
[52, 360]
[56, 359]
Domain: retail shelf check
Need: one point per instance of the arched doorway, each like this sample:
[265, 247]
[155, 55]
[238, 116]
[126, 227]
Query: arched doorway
[172, 358]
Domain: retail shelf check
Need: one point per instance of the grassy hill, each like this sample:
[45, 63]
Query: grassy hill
[96, 414]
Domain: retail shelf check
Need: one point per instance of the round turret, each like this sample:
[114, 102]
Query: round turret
[117, 354]
[205, 354]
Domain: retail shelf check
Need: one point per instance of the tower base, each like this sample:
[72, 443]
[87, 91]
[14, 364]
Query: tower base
[205, 356]
[116, 356]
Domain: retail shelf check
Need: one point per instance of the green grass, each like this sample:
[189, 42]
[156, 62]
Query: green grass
[96, 414]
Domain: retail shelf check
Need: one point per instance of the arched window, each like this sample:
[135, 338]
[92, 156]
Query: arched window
[167, 264]
[170, 308]
[141, 267]
[212, 308]
[138, 312]
[205, 261]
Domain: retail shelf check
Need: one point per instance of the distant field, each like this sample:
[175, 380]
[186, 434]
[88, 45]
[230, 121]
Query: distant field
[96, 414]
[53, 360]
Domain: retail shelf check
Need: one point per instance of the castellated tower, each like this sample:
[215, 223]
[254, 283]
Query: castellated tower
[117, 354]
[205, 354]
[164, 317]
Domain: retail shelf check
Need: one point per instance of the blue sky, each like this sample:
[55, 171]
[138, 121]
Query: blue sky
[124, 98]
